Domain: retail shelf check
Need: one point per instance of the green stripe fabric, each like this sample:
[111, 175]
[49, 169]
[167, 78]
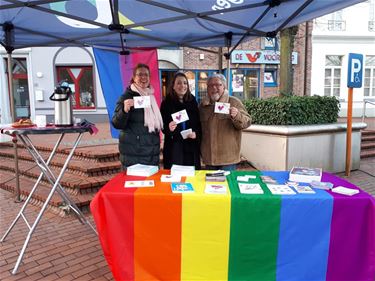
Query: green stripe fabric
[253, 243]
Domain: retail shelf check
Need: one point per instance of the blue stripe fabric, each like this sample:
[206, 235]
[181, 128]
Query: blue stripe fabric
[302, 226]
[108, 65]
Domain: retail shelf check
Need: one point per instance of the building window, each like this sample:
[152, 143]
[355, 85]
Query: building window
[20, 87]
[270, 78]
[245, 83]
[81, 82]
[271, 43]
[371, 26]
[371, 18]
[332, 75]
[369, 79]
[336, 23]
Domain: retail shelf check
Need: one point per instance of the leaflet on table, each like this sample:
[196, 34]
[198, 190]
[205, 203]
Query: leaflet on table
[345, 191]
[250, 188]
[179, 187]
[321, 185]
[268, 180]
[132, 184]
[303, 174]
[184, 171]
[216, 176]
[246, 178]
[280, 189]
[215, 188]
[300, 188]
[170, 178]
[141, 170]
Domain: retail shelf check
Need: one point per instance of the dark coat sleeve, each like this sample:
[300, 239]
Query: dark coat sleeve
[120, 119]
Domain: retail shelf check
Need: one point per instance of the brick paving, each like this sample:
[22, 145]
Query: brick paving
[63, 249]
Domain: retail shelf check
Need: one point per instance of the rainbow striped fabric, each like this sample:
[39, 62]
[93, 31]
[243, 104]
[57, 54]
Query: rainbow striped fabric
[153, 234]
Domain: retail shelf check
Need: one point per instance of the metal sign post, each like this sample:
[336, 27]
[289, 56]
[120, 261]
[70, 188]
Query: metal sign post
[355, 73]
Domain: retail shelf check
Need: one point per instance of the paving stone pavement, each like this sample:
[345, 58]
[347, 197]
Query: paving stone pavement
[64, 249]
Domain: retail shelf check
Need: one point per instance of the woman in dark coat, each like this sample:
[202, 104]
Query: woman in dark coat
[139, 127]
[178, 150]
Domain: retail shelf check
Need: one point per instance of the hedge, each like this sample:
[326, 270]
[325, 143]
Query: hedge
[293, 110]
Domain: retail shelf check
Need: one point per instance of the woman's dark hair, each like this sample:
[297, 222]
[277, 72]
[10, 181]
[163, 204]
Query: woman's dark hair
[171, 92]
[138, 66]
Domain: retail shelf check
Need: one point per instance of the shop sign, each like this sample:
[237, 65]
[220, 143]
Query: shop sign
[259, 57]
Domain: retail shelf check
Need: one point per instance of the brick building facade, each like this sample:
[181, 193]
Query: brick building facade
[200, 64]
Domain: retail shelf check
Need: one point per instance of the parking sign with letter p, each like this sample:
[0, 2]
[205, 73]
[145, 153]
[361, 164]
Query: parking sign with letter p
[355, 70]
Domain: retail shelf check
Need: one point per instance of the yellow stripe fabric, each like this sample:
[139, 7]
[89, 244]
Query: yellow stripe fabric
[205, 232]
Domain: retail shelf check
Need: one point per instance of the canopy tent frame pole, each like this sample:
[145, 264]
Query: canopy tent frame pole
[8, 27]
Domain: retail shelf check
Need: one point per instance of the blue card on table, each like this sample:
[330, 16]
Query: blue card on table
[180, 187]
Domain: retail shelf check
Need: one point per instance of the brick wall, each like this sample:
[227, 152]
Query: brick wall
[192, 60]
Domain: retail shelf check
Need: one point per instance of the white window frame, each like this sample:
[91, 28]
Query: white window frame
[331, 86]
[371, 78]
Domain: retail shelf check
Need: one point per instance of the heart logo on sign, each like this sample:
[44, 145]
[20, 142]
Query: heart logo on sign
[140, 102]
[178, 117]
[221, 107]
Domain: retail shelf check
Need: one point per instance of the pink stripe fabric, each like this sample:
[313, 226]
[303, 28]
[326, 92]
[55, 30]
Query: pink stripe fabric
[149, 57]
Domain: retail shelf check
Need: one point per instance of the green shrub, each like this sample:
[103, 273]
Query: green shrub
[293, 110]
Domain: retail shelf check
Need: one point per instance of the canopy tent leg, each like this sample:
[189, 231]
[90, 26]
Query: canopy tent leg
[8, 27]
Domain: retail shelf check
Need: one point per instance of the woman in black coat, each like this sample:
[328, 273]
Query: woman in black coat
[179, 150]
[139, 140]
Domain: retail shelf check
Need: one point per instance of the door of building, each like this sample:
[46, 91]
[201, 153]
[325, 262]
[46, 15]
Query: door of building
[20, 87]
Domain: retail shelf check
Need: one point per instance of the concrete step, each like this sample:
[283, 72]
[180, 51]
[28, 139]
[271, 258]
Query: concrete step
[368, 132]
[368, 153]
[84, 162]
[368, 138]
[89, 169]
[56, 204]
[367, 145]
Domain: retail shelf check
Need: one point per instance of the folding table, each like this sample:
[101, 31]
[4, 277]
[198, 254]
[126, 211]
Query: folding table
[23, 135]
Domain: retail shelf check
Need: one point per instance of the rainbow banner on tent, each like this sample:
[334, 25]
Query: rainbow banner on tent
[154, 234]
[115, 72]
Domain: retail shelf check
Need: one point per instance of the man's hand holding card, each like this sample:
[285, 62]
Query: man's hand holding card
[222, 107]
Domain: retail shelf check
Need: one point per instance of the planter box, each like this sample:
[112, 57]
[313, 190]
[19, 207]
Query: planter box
[282, 147]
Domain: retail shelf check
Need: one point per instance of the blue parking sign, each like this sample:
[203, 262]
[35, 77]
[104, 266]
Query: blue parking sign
[355, 70]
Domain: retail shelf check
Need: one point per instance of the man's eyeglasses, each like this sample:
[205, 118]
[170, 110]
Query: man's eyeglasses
[215, 85]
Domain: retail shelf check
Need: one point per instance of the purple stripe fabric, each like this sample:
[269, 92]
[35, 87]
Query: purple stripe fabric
[352, 241]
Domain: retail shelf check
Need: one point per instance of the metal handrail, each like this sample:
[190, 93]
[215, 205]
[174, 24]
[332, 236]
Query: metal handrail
[370, 101]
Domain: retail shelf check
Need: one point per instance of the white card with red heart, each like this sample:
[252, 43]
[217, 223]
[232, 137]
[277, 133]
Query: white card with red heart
[180, 116]
[222, 107]
[142, 102]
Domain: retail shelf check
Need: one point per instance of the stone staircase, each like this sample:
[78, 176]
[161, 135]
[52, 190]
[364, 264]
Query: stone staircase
[89, 169]
[368, 144]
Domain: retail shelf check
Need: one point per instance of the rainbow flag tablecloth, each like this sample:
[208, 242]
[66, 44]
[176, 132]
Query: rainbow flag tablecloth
[154, 234]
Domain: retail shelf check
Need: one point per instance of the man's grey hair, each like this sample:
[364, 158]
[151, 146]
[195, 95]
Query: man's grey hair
[219, 76]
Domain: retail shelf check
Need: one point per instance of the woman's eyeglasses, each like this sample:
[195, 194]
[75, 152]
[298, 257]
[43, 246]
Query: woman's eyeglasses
[142, 74]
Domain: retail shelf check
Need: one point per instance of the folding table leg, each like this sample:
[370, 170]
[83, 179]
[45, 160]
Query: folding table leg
[52, 178]
[20, 213]
[55, 186]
